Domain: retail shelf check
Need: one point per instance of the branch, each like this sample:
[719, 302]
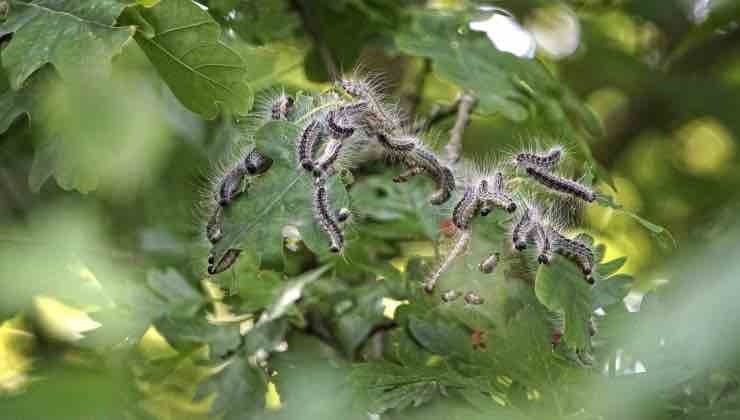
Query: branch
[313, 31]
[466, 104]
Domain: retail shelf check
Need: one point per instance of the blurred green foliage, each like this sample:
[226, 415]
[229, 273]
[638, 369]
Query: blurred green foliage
[115, 116]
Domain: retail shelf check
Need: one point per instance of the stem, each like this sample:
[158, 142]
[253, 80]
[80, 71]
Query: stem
[466, 105]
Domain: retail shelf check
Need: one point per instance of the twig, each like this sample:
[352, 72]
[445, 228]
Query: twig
[313, 31]
[466, 105]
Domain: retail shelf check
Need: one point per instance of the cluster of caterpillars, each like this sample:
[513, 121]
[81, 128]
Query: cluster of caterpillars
[352, 117]
[531, 225]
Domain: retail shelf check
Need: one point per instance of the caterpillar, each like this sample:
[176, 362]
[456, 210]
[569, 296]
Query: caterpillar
[224, 263]
[546, 161]
[396, 145]
[472, 298]
[324, 217]
[488, 265]
[561, 185]
[281, 107]
[231, 186]
[256, 163]
[465, 209]
[581, 253]
[521, 228]
[306, 143]
[328, 157]
[446, 184]
[450, 296]
[336, 124]
[496, 198]
[542, 241]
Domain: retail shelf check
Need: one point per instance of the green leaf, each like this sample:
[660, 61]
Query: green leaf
[202, 72]
[659, 232]
[560, 286]
[187, 333]
[440, 336]
[282, 196]
[76, 36]
[611, 267]
[612, 290]
[239, 389]
[504, 83]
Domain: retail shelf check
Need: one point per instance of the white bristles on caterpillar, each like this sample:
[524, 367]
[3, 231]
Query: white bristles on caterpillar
[281, 107]
[306, 143]
[255, 163]
[580, 252]
[344, 121]
[458, 249]
[561, 185]
[324, 215]
[522, 225]
[214, 225]
[231, 185]
[541, 237]
[444, 179]
[466, 208]
[547, 160]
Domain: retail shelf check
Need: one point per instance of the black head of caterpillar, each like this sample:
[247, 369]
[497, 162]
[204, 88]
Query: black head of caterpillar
[546, 161]
[561, 185]
[306, 143]
[281, 107]
[488, 265]
[231, 186]
[323, 215]
[226, 261]
[472, 298]
[442, 176]
[256, 163]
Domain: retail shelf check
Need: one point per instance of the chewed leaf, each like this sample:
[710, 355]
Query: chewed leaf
[202, 72]
[560, 286]
[280, 197]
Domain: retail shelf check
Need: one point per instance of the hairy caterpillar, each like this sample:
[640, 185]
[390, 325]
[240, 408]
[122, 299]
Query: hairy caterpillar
[576, 250]
[231, 186]
[542, 241]
[472, 298]
[340, 122]
[281, 107]
[488, 265]
[520, 229]
[465, 209]
[256, 163]
[328, 157]
[498, 197]
[394, 145]
[450, 296]
[306, 143]
[561, 185]
[546, 161]
[324, 215]
[224, 263]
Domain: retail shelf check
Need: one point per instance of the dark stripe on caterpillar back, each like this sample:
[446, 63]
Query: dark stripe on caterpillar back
[306, 143]
[561, 185]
